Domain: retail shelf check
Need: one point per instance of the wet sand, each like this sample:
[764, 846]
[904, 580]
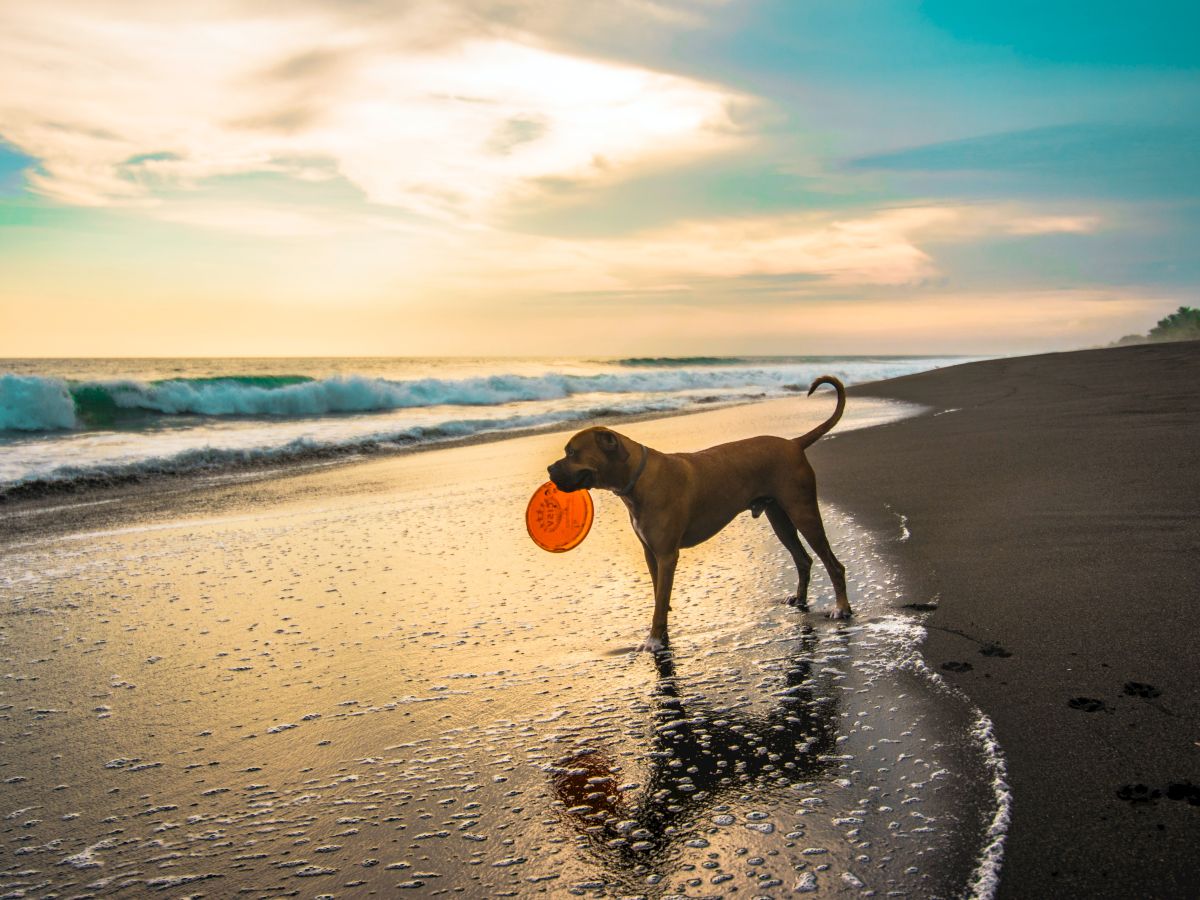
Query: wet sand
[356, 680]
[1048, 507]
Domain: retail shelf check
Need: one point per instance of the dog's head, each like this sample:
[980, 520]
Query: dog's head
[595, 457]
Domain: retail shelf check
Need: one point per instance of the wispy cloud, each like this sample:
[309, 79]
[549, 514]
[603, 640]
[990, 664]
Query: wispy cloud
[435, 118]
[1031, 225]
[882, 247]
[1136, 160]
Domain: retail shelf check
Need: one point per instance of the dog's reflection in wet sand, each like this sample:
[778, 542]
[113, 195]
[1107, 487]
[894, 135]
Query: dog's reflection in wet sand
[701, 755]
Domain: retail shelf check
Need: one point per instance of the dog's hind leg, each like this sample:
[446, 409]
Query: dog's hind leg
[785, 530]
[808, 520]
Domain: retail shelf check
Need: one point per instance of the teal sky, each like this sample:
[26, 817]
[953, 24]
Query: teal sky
[617, 177]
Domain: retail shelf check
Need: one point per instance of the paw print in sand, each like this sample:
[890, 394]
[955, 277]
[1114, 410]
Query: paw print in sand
[1138, 793]
[1139, 689]
[1184, 790]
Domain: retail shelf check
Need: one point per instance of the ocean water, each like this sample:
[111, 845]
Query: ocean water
[75, 422]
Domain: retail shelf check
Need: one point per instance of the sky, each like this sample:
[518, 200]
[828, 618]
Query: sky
[594, 177]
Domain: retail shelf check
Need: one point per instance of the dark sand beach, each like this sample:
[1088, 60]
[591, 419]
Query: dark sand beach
[1051, 510]
[348, 681]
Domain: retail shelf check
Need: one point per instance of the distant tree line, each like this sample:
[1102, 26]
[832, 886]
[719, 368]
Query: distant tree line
[1181, 325]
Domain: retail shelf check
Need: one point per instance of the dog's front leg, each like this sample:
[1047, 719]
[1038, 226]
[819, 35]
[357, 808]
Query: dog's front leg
[651, 564]
[665, 567]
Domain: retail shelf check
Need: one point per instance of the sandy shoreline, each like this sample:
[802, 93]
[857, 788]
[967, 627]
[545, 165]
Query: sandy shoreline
[1048, 507]
[367, 678]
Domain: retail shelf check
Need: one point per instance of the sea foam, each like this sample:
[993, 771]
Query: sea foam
[95, 460]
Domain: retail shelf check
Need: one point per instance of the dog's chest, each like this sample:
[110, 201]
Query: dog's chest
[633, 520]
[637, 529]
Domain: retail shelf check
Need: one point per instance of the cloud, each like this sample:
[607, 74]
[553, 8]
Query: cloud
[872, 249]
[882, 247]
[445, 114]
[1095, 159]
[1033, 225]
[266, 220]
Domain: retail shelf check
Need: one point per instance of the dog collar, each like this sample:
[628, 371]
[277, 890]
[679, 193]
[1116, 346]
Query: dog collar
[636, 475]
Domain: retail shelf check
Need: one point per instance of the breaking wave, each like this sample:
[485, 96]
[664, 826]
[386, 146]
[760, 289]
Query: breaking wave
[29, 403]
[32, 403]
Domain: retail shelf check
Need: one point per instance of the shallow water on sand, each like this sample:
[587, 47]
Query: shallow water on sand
[395, 689]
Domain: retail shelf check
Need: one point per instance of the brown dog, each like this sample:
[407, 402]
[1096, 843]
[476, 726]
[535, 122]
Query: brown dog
[679, 500]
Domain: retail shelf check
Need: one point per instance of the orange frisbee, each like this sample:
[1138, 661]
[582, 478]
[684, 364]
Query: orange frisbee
[556, 521]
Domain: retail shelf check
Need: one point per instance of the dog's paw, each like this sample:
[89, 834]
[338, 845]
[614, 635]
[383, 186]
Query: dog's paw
[839, 614]
[797, 602]
[652, 645]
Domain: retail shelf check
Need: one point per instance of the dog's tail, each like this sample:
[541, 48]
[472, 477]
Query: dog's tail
[817, 433]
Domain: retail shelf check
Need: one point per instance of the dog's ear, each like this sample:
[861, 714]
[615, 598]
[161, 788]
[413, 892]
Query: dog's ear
[611, 445]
